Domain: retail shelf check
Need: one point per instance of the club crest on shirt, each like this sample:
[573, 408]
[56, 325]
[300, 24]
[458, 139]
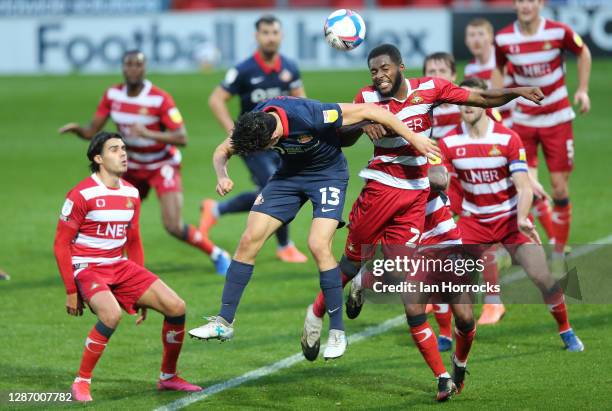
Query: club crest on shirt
[547, 46]
[494, 151]
[143, 111]
[304, 139]
[416, 99]
[285, 76]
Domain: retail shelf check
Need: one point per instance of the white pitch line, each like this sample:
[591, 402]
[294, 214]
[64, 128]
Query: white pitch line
[277, 366]
[352, 339]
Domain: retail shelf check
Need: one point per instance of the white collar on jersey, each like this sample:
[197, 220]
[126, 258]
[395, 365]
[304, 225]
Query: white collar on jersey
[489, 129]
[517, 29]
[95, 178]
[145, 90]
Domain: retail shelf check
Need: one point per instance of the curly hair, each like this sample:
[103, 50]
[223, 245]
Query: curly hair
[253, 132]
[474, 82]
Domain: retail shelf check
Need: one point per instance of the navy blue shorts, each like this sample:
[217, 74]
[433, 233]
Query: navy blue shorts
[262, 165]
[283, 197]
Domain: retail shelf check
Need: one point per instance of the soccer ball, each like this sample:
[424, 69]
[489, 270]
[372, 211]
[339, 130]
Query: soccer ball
[344, 29]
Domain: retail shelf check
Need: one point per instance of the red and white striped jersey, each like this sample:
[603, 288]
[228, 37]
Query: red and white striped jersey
[153, 108]
[102, 217]
[538, 60]
[439, 227]
[395, 162]
[484, 167]
[445, 118]
[484, 71]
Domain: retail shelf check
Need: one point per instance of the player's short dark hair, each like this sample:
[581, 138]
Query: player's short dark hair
[96, 145]
[386, 50]
[445, 57]
[132, 52]
[266, 19]
[474, 82]
[253, 132]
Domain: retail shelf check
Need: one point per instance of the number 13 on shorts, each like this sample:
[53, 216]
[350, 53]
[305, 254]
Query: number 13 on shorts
[330, 196]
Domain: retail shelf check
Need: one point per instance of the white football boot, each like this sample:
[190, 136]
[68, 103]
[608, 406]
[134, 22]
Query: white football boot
[336, 345]
[216, 328]
[311, 336]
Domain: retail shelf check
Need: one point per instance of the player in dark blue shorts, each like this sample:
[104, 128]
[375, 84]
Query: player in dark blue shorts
[265, 75]
[313, 168]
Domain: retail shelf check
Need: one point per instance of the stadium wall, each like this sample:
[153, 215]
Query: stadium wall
[176, 42]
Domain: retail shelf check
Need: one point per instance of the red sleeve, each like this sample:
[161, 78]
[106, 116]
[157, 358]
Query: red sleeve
[169, 115]
[358, 98]
[450, 93]
[104, 107]
[572, 41]
[72, 215]
[500, 57]
[133, 246]
[516, 155]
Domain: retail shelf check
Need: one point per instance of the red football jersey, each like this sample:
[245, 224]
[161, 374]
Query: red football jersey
[484, 167]
[155, 109]
[102, 217]
[439, 225]
[395, 162]
[538, 60]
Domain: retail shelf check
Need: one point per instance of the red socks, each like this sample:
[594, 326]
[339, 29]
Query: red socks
[541, 209]
[425, 340]
[193, 236]
[556, 305]
[562, 218]
[95, 343]
[318, 306]
[444, 318]
[463, 343]
[173, 333]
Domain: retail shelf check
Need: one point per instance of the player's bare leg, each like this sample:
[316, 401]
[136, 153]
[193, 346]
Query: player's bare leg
[542, 210]
[164, 300]
[259, 228]
[320, 239]
[171, 211]
[562, 215]
[108, 312]
[533, 260]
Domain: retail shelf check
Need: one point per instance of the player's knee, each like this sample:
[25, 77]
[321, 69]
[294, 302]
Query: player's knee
[175, 308]
[320, 249]
[464, 320]
[110, 317]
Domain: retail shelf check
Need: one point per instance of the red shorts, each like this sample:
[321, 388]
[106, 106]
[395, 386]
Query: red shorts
[392, 216]
[503, 230]
[557, 145]
[166, 179]
[127, 281]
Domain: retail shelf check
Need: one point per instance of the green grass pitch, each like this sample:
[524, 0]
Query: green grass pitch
[518, 364]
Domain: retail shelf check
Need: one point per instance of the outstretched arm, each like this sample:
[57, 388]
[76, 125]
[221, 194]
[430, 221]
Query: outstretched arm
[499, 96]
[354, 113]
[222, 154]
[86, 132]
[218, 105]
